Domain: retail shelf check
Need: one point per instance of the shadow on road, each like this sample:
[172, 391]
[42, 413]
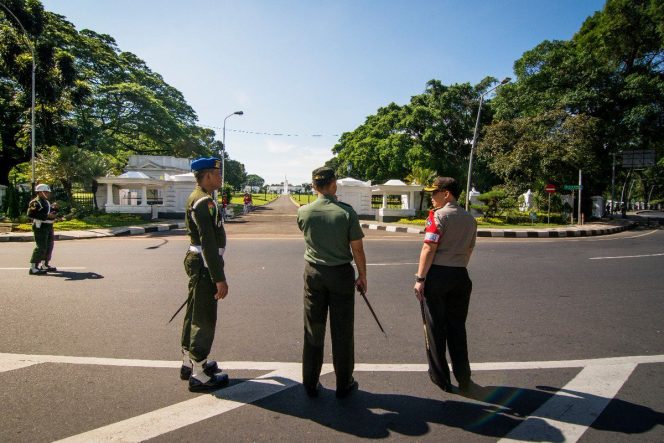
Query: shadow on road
[371, 415]
[75, 276]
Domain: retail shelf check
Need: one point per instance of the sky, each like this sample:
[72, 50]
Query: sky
[313, 69]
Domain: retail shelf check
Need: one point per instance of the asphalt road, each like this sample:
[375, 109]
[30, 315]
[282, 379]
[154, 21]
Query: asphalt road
[565, 336]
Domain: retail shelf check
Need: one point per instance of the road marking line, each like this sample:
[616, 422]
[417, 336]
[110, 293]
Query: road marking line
[25, 269]
[179, 415]
[574, 407]
[627, 256]
[390, 264]
[9, 359]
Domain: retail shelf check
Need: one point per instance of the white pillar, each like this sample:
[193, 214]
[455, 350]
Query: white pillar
[384, 200]
[411, 200]
[144, 195]
[109, 194]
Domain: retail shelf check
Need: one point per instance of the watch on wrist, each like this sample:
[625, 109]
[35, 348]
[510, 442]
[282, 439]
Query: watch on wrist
[419, 279]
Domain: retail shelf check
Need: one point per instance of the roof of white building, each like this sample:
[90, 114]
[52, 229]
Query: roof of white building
[133, 174]
[349, 181]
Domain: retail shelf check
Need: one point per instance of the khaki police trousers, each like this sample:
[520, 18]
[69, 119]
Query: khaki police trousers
[44, 241]
[447, 295]
[200, 319]
[328, 288]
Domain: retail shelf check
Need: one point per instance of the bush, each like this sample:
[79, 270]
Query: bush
[496, 203]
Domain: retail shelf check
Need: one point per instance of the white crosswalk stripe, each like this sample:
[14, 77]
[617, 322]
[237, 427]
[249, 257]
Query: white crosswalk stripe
[568, 413]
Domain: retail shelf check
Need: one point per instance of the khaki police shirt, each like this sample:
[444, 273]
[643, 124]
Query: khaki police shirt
[328, 226]
[206, 229]
[454, 230]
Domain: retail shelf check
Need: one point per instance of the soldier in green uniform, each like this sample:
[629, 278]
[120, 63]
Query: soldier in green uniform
[42, 213]
[333, 238]
[204, 264]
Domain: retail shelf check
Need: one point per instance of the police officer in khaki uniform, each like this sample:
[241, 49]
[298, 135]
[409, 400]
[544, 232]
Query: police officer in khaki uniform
[204, 264]
[442, 284]
[333, 238]
[43, 214]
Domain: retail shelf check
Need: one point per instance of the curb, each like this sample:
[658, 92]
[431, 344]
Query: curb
[110, 232]
[513, 233]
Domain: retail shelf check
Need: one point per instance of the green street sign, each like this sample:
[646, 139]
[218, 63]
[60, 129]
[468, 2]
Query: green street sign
[572, 187]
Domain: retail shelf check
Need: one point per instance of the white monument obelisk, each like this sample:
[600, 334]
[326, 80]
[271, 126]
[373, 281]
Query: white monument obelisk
[286, 185]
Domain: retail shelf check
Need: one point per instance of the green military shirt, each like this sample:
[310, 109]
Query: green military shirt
[205, 229]
[328, 226]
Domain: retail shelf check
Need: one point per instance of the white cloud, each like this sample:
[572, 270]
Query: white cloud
[278, 147]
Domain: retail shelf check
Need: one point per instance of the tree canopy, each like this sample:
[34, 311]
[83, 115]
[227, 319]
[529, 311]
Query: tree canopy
[89, 94]
[572, 105]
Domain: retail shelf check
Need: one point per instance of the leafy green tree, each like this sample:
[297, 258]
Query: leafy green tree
[90, 94]
[495, 203]
[234, 174]
[255, 180]
[527, 152]
[609, 73]
[433, 132]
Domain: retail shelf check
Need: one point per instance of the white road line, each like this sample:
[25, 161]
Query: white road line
[391, 264]
[575, 407]
[25, 269]
[179, 415]
[568, 413]
[627, 256]
[8, 359]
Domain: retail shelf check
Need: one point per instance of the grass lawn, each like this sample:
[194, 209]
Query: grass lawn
[493, 223]
[258, 199]
[303, 199]
[91, 222]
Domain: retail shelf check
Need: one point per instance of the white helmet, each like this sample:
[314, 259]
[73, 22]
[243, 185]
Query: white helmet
[43, 188]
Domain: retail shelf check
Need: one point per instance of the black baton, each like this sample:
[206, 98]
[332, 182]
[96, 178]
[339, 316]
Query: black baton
[372, 311]
[178, 311]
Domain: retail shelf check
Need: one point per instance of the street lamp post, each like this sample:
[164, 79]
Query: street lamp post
[32, 105]
[477, 125]
[223, 142]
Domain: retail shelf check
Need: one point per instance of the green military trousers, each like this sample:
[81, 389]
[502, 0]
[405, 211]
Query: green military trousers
[200, 319]
[328, 288]
[44, 240]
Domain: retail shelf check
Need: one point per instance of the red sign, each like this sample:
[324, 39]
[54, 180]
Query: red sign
[551, 189]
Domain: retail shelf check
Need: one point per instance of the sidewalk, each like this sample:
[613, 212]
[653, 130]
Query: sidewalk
[96, 233]
[586, 230]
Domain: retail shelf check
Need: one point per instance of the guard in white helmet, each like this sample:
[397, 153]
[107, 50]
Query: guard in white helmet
[43, 214]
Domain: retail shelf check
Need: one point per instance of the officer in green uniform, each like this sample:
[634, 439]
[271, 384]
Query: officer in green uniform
[42, 213]
[204, 264]
[333, 238]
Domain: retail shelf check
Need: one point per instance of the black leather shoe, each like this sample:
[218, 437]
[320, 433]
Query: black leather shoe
[468, 387]
[312, 392]
[49, 268]
[36, 271]
[217, 381]
[345, 392]
[209, 368]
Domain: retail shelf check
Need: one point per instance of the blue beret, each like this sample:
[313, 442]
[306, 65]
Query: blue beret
[205, 163]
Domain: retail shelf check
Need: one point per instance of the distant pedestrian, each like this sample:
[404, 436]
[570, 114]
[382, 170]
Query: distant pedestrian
[247, 203]
[333, 239]
[442, 284]
[204, 264]
[224, 206]
[43, 214]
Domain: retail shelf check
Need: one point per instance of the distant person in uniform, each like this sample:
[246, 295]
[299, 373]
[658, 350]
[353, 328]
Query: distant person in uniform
[204, 264]
[247, 203]
[43, 214]
[224, 205]
[333, 239]
[442, 283]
